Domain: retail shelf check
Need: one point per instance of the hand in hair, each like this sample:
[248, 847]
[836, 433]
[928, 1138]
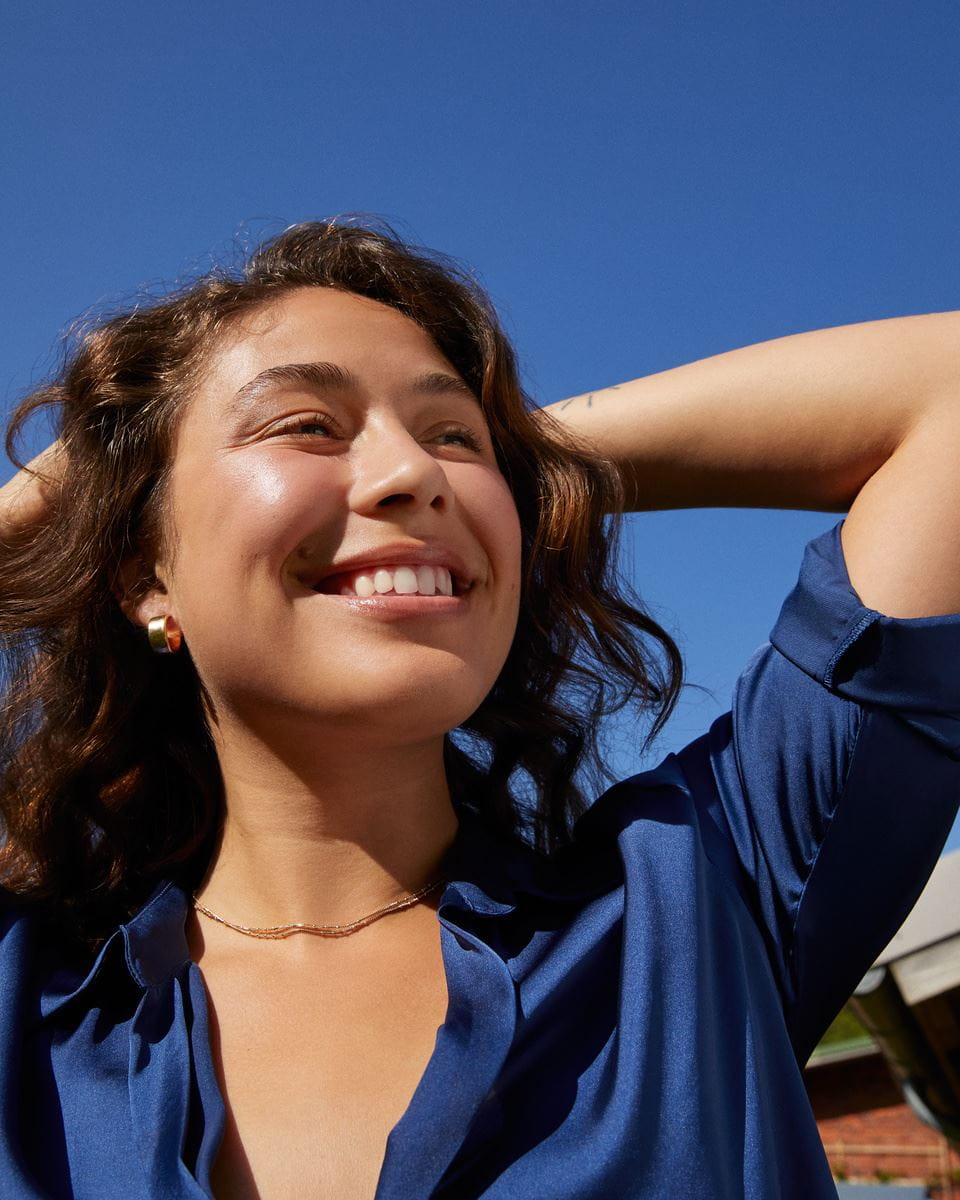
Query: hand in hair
[25, 500]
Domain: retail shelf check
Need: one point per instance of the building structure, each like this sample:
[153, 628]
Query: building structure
[885, 1086]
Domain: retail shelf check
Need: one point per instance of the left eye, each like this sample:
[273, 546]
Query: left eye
[307, 427]
[463, 436]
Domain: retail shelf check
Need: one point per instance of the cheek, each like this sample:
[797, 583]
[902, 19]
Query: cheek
[243, 512]
[502, 523]
[496, 525]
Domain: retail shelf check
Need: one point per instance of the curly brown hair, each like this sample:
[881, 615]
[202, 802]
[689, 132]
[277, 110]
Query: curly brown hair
[109, 780]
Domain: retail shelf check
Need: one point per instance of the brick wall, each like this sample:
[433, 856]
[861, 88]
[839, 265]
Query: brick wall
[871, 1134]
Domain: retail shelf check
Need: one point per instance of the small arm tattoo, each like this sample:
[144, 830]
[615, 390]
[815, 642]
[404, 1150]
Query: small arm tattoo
[588, 397]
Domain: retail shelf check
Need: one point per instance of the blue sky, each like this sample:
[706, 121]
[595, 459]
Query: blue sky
[637, 184]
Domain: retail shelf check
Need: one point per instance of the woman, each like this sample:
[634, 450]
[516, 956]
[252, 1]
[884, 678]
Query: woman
[382, 592]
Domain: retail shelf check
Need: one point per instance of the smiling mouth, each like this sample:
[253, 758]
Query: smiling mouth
[406, 580]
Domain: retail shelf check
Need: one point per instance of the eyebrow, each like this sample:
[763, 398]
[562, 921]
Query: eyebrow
[327, 376]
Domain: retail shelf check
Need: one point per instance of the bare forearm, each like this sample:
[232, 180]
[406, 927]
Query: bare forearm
[800, 422]
[25, 499]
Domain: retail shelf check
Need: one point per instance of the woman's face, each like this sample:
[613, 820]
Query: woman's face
[333, 481]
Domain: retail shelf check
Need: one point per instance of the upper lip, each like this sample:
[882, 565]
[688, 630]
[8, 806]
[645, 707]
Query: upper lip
[398, 554]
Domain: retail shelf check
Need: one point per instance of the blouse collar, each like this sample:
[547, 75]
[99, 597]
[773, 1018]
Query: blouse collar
[488, 875]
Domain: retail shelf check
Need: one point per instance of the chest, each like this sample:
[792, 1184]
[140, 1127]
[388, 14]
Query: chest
[317, 1061]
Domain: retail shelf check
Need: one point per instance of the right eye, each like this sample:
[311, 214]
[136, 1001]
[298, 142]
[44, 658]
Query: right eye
[306, 426]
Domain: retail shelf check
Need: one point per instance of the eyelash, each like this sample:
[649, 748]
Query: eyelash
[469, 439]
[294, 428]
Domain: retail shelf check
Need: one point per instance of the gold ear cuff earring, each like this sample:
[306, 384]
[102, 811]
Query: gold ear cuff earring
[163, 636]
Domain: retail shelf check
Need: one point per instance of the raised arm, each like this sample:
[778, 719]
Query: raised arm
[25, 499]
[861, 417]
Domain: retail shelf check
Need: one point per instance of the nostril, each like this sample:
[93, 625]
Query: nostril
[396, 498]
[436, 502]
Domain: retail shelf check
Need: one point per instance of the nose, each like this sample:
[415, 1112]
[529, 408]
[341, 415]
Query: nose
[395, 470]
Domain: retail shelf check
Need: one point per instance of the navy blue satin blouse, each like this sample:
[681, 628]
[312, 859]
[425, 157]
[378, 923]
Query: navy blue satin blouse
[626, 1020]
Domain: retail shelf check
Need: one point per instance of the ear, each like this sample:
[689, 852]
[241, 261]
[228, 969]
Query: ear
[140, 591]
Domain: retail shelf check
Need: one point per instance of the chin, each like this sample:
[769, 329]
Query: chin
[414, 713]
[391, 702]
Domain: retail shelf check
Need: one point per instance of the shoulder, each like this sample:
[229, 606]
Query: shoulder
[36, 959]
[15, 914]
[18, 937]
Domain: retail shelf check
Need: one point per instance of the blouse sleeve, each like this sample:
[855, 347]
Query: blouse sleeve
[835, 779]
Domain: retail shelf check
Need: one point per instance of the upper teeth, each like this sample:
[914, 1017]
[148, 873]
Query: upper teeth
[403, 581]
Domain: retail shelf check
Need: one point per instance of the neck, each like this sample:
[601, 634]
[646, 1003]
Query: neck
[325, 838]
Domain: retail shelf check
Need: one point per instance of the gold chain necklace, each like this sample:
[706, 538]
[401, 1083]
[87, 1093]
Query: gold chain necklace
[282, 931]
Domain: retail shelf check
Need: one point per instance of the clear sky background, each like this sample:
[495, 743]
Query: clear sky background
[637, 184]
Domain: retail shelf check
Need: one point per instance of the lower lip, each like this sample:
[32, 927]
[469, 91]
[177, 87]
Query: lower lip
[397, 607]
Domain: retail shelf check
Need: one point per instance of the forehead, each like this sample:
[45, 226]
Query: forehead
[319, 324]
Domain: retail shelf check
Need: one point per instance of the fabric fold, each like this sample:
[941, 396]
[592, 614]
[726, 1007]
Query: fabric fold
[864, 656]
[469, 1054]
[159, 1084]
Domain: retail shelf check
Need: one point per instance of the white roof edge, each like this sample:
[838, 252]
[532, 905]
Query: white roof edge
[936, 915]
